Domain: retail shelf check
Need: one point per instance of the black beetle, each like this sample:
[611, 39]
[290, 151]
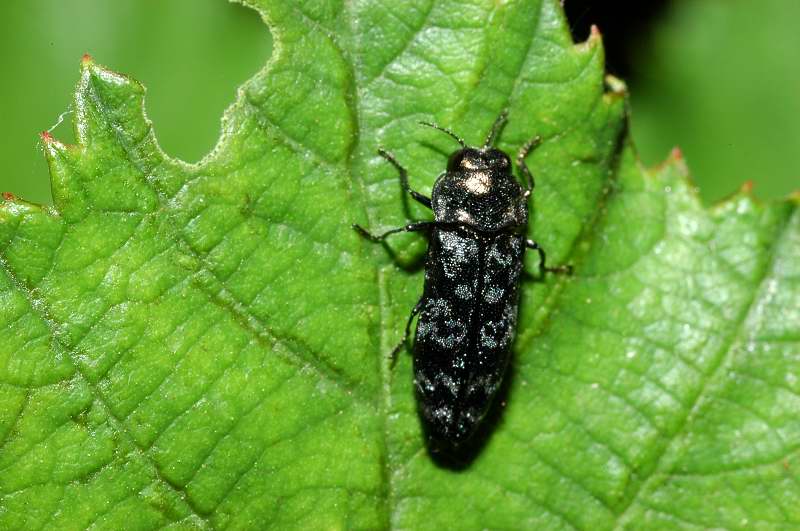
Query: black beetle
[468, 309]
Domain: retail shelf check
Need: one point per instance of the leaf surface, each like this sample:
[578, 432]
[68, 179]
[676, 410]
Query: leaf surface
[205, 346]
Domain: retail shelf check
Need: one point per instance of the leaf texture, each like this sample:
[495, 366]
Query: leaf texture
[205, 346]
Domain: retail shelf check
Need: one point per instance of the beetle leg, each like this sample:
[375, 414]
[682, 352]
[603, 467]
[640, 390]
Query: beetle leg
[529, 146]
[414, 312]
[425, 200]
[411, 227]
[542, 260]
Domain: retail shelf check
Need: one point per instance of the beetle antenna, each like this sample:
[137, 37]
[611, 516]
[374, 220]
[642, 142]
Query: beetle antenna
[447, 131]
[497, 126]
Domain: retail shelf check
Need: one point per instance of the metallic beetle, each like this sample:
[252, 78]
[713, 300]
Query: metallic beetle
[468, 309]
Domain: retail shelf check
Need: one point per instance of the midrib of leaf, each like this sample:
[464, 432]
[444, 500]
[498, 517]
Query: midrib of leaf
[357, 186]
[39, 306]
[725, 355]
[384, 363]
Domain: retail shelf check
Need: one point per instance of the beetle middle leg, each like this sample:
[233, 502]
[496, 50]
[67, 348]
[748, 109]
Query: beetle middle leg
[425, 200]
[567, 269]
[414, 312]
[529, 146]
[412, 227]
[379, 238]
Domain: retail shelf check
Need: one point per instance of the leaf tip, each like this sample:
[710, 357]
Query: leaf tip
[675, 162]
[106, 77]
[8, 196]
[86, 60]
[594, 40]
[50, 144]
[747, 187]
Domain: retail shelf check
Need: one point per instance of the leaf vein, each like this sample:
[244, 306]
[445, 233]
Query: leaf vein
[38, 305]
[724, 356]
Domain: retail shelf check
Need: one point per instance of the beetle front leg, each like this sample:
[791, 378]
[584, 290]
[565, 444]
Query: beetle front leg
[411, 227]
[566, 269]
[529, 146]
[425, 200]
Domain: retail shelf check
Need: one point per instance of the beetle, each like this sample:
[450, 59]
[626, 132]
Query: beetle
[469, 305]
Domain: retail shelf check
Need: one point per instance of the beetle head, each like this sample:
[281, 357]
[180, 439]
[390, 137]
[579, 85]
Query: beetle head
[474, 159]
[486, 158]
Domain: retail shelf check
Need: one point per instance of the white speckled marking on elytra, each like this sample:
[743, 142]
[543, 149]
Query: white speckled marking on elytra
[463, 292]
[493, 294]
[450, 384]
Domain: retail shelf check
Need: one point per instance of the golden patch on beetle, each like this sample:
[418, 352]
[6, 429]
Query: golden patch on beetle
[477, 183]
[464, 216]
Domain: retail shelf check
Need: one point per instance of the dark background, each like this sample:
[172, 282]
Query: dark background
[719, 78]
[624, 25]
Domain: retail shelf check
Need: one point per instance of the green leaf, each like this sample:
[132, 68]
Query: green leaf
[205, 346]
